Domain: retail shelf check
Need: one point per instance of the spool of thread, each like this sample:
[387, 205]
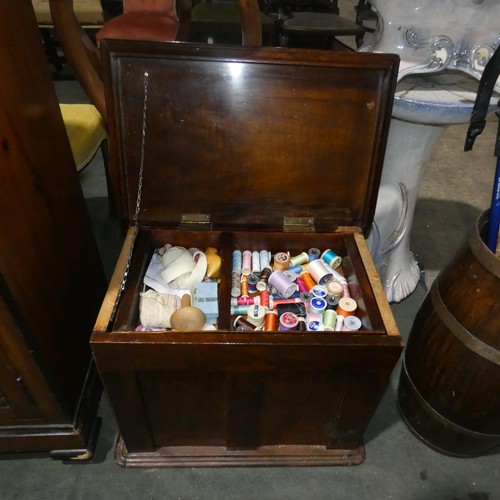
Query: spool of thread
[275, 302]
[239, 310]
[335, 288]
[332, 302]
[264, 278]
[346, 307]
[336, 274]
[252, 281]
[256, 315]
[345, 290]
[330, 319]
[271, 321]
[299, 259]
[281, 261]
[264, 298]
[319, 291]
[245, 301]
[314, 322]
[255, 262]
[246, 266]
[235, 284]
[306, 298]
[319, 272]
[301, 285]
[331, 258]
[313, 254]
[236, 261]
[351, 324]
[244, 286]
[296, 269]
[288, 321]
[240, 323]
[307, 280]
[290, 275]
[282, 284]
[317, 305]
[265, 258]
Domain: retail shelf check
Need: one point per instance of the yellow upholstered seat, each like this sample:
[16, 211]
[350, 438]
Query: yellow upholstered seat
[86, 131]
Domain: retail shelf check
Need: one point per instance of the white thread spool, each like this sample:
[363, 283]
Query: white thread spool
[319, 272]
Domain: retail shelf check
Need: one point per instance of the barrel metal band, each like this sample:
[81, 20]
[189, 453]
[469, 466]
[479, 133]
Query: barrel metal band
[482, 253]
[461, 333]
[440, 418]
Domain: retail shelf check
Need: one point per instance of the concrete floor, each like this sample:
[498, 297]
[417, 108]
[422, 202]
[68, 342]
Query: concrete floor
[455, 190]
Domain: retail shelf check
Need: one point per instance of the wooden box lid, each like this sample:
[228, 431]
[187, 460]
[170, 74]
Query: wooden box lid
[245, 138]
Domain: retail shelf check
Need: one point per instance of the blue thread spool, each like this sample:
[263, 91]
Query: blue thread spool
[237, 261]
[265, 258]
[314, 322]
[319, 291]
[331, 258]
[317, 305]
[239, 309]
[314, 254]
[296, 270]
[252, 281]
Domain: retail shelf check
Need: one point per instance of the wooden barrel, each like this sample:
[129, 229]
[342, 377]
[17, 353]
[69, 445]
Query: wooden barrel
[449, 388]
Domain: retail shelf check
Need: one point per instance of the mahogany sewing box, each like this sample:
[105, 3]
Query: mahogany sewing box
[244, 148]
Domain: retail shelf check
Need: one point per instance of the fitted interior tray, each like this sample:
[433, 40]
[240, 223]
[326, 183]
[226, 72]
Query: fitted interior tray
[357, 269]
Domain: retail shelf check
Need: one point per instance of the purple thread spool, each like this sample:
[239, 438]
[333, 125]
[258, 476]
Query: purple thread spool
[282, 284]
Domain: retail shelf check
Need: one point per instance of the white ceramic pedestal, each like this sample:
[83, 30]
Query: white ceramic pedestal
[444, 47]
[425, 105]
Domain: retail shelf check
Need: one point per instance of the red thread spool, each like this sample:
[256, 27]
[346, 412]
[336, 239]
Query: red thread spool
[264, 298]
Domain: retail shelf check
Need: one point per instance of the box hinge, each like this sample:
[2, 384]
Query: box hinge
[298, 225]
[195, 222]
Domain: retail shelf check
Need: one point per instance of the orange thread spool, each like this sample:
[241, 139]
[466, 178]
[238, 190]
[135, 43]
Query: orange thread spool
[244, 287]
[271, 321]
[281, 261]
[308, 281]
[346, 307]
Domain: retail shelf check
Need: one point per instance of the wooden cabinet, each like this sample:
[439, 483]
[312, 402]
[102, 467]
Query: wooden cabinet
[51, 277]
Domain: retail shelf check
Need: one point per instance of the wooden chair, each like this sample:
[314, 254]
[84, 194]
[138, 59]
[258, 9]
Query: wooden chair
[86, 132]
[83, 55]
[220, 22]
[320, 19]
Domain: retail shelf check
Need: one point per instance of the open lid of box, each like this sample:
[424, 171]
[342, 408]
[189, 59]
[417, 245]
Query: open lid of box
[245, 138]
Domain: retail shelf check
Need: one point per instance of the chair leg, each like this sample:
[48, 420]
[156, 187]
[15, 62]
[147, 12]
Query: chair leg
[112, 196]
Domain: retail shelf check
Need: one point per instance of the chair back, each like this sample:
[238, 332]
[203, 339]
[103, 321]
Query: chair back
[162, 7]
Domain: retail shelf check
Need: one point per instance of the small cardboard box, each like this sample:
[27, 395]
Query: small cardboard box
[239, 148]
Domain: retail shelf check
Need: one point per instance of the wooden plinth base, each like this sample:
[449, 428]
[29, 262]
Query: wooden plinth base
[219, 456]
